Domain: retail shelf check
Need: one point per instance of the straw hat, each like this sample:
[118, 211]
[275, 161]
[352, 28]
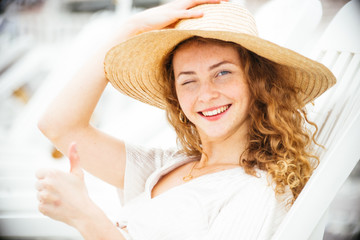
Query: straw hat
[134, 67]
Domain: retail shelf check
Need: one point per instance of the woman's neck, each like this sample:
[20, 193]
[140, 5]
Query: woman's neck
[224, 151]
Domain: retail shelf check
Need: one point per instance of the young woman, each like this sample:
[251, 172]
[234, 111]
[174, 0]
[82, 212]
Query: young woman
[235, 102]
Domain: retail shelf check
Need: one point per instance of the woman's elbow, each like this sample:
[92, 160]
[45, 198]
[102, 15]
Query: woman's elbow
[48, 128]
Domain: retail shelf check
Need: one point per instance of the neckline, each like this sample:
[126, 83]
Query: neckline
[168, 168]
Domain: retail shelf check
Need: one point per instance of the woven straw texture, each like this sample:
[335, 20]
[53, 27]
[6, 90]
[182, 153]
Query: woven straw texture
[134, 67]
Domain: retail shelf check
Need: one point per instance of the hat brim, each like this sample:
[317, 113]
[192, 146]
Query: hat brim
[134, 67]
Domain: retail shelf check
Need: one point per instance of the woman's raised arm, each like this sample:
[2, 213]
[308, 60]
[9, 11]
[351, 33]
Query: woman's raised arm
[67, 118]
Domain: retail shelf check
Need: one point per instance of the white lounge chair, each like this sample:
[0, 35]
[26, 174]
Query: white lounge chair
[338, 117]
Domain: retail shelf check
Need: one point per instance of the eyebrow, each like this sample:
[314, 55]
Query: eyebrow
[219, 64]
[210, 68]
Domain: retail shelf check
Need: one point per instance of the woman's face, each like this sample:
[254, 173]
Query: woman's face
[212, 90]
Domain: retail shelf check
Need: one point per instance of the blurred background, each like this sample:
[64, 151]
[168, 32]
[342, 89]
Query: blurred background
[43, 43]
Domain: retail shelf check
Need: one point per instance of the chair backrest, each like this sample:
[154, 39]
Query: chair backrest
[338, 117]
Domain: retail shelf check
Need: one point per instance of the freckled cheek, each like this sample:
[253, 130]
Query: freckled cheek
[240, 92]
[237, 98]
[187, 103]
[243, 98]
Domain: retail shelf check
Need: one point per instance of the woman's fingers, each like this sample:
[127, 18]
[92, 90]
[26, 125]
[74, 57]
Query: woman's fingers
[44, 208]
[186, 12]
[48, 209]
[48, 197]
[183, 14]
[60, 195]
[42, 184]
[166, 15]
[192, 3]
[46, 191]
[41, 173]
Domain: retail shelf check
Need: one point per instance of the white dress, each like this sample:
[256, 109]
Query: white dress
[229, 204]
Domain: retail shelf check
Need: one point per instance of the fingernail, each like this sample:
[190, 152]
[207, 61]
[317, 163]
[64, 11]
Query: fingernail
[74, 147]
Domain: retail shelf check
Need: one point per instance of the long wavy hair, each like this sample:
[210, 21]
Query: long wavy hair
[279, 141]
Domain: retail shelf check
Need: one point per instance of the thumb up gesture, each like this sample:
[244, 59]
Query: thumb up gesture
[63, 196]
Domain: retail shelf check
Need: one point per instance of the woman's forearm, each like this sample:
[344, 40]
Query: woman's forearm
[96, 226]
[73, 107]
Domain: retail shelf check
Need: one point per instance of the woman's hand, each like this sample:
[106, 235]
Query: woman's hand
[165, 15]
[63, 196]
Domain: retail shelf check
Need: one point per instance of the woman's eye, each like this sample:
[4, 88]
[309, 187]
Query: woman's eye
[222, 73]
[187, 82]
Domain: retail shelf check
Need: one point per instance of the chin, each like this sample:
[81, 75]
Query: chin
[214, 135]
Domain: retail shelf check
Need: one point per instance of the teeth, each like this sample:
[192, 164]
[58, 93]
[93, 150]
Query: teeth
[216, 111]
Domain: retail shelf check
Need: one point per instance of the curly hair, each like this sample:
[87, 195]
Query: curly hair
[279, 140]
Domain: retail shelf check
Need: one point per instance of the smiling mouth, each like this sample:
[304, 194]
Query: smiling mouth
[215, 112]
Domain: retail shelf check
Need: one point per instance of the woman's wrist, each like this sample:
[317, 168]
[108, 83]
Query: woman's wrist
[124, 29]
[94, 224]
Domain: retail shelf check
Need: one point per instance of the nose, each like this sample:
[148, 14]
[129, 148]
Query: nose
[207, 92]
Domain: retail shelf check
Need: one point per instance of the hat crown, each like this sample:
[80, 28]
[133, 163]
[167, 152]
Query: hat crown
[226, 17]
